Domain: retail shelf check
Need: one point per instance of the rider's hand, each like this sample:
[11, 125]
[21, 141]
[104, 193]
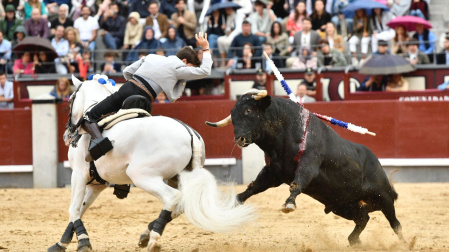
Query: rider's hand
[201, 38]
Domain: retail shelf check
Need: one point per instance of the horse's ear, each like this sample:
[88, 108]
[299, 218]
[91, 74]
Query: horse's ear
[76, 81]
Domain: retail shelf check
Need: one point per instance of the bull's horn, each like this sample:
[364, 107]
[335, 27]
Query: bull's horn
[261, 94]
[221, 123]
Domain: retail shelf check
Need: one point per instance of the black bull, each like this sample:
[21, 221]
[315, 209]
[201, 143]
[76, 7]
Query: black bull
[344, 176]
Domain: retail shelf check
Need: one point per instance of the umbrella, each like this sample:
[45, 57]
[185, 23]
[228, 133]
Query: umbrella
[409, 22]
[364, 4]
[34, 45]
[386, 64]
[222, 5]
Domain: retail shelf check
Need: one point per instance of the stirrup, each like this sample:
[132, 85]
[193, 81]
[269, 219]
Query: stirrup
[99, 147]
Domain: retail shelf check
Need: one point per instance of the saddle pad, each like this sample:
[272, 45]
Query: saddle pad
[121, 115]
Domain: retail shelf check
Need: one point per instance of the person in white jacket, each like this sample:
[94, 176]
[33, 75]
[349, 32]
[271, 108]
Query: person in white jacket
[148, 77]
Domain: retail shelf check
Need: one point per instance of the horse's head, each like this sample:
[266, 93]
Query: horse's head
[86, 96]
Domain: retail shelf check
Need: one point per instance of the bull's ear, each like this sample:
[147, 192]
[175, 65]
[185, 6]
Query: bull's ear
[264, 102]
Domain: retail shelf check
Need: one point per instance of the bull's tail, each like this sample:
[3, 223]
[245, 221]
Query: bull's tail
[393, 190]
[202, 202]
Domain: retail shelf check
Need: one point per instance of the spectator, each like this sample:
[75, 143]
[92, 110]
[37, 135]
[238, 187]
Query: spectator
[305, 38]
[400, 40]
[61, 46]
[335, 40]
[142, 7]
[18, 4]
[330, 57]
[268, 49]
[158, 21]
[232, 29]
[24, 65]
[280, 8]
[87, 28]
[415, 56]
[361, 34]
[400, 7]
[167, 7]
[443, 56]
[261, 19]
[305, 60]
[148, 42]
[373, 83]
[53, 7]
[420, 9]
[261, 80]
[142, 53]
[160, 51]
[75, 50]
[5, 53]
[113, 26]
[320, 17]
[62, 19]
[6, 92]
[279, 40]
[77, 7]
[62, 89]
[243, 38]
[161, 98]
[396, 83]
[341, 21]
[294, 22]
[85, 65]
[426, 40]
[381, 31]
[37, 25]
[382, 48]
[133, 33]
[42, 65]
[19, 35]
[110, 66]
[30, 5]
[309, 80]
[301, 94]
[9, 25]
[215, 29]
[185, 22]
[247, 61]
[173, 43]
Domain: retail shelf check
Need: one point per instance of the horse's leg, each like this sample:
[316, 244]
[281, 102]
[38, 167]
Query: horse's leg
[92, 192]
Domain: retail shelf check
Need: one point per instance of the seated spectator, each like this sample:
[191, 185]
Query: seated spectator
[85, 65]
[333, 38]
[141, 7]
[173, 43]
[301, 94]
[110, 66]
[18, 5]
[420, 9]
[215, 29]
[159, 21]
[397, 83]
[35, 4]
[142, 53]
[400, 7]
[18, 36]
[261, 80]
[305, 38]
[232, 29]
[37, 25]
[148, 43]
[329, 57]
[382, 48]
[309, 80]
[24, 65]
[9, 25]
[62, 19]
[240, 40]
[113, 26]
[133, 33]
[320, 17]
[426, 40]
[379, 26]
[75, 50]
[279, 41]
[185, 22]
[62, 89]
[400, 40]
[77, 8]
[305, 60]
[443, 56]
[87, 28]
[161, 98]
[415, 56]
[5, 53]
[42, 65]
[341, 21]
[61, 46]
[280, 8]
[373, 83]
[53, 7]
[278, 62]
[261, 19]
[6, 92]
[361, 34]
[247, 61]
[167, 7]
[294, 22]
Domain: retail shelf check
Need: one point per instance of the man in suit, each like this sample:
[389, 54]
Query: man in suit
[443, 56]
[158, 21]
[185, 22]
[301, 94]
[305, 38]
[415, 56]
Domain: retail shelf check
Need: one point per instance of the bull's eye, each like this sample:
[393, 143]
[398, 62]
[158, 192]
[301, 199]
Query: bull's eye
[247, 111]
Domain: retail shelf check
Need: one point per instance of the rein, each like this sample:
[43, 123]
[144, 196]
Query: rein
[73, 128]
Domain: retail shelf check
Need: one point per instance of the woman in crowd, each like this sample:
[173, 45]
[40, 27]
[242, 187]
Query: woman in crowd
[381, 31]
[400, 40]
[75, 49]
[335, 40]
[361, 35]
[294, 22]
[31, 4]
[133, 32]
[397, 83]
[42, 65]
[148, 42]
[279, 40]
[305, 60]
[215, 28]
[320, 17]
[247, 61]
[62, 89]
[24, 65]
[173, 43]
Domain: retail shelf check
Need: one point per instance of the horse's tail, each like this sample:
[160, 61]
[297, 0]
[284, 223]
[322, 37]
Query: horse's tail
[203, 203]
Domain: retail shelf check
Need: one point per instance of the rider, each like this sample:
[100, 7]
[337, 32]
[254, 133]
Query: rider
[149, 76]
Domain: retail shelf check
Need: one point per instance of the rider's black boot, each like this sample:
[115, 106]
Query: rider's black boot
[99, 145]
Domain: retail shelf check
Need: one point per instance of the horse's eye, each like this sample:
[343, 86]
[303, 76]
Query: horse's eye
[247, 111]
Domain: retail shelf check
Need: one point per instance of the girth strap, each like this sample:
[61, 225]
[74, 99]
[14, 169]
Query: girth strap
[94, 174]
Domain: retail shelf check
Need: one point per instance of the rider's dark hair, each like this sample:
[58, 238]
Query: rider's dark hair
[190, 55]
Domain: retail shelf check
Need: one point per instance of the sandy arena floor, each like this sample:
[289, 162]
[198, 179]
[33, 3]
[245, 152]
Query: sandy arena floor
[34, 219]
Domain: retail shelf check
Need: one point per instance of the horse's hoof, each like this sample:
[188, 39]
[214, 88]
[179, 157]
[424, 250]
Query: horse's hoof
[84, 245]
[143, 242]
[287, 208]
[354, 241]
[56, 248]
[155, 247]
[85, 249]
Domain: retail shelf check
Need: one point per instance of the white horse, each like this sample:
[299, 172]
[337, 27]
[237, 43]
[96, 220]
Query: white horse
[146, 151]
